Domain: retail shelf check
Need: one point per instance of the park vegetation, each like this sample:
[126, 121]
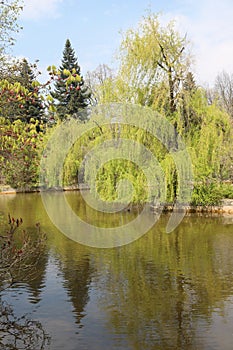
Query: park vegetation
[154, 72]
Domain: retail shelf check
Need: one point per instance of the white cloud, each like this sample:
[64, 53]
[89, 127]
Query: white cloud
[209, 27]
[37, 9]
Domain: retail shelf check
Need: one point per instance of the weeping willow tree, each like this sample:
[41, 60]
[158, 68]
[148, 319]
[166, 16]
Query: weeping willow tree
[154, 61]
[110, 173]
[208, 143]
[210, 148]
[155, 73]
[127, 157]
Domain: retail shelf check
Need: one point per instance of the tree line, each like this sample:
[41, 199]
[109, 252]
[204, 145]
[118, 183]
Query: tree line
[154, 71]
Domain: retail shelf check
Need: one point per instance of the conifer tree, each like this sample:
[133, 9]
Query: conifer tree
[24, 73]
[71, 100]
[34, 107]
[190, 119]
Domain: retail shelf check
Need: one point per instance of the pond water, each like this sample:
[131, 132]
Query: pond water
[163, 291]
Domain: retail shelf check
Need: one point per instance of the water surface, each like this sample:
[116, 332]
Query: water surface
[163, 291]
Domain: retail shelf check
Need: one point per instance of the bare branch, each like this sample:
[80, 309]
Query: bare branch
[16, 262]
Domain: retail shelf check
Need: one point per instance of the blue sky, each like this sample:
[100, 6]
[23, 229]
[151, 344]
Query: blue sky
[94, 30]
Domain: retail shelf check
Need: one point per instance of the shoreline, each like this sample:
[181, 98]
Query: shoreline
[4, 189]
[224, 208]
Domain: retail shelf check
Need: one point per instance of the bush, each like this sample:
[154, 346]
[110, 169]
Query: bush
[20, 150]
[206, 194]
[227, 190]
[211, 193]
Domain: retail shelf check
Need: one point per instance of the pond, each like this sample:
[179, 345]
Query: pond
[162, 291]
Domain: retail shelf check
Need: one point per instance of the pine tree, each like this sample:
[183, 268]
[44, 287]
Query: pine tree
[189, 117]
[23, 72]
[189, 83]
[71, 101]
[34, 107]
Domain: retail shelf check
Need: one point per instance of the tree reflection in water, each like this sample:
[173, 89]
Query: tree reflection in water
[161, 292]
[162, 287]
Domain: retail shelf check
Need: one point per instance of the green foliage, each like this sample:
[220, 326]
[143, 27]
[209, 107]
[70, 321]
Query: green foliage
[155, 73]
[73, 99]
[211, 144]
[154, 56]
[169, 168]
[226, 190]
[71, 168]
[206, 194]
[208, 144]
[111, 184]
[114, 176]
[20, 151]
[20, 92]
[211, 193]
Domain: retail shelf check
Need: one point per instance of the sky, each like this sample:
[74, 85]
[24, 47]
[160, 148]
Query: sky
[95, 30]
